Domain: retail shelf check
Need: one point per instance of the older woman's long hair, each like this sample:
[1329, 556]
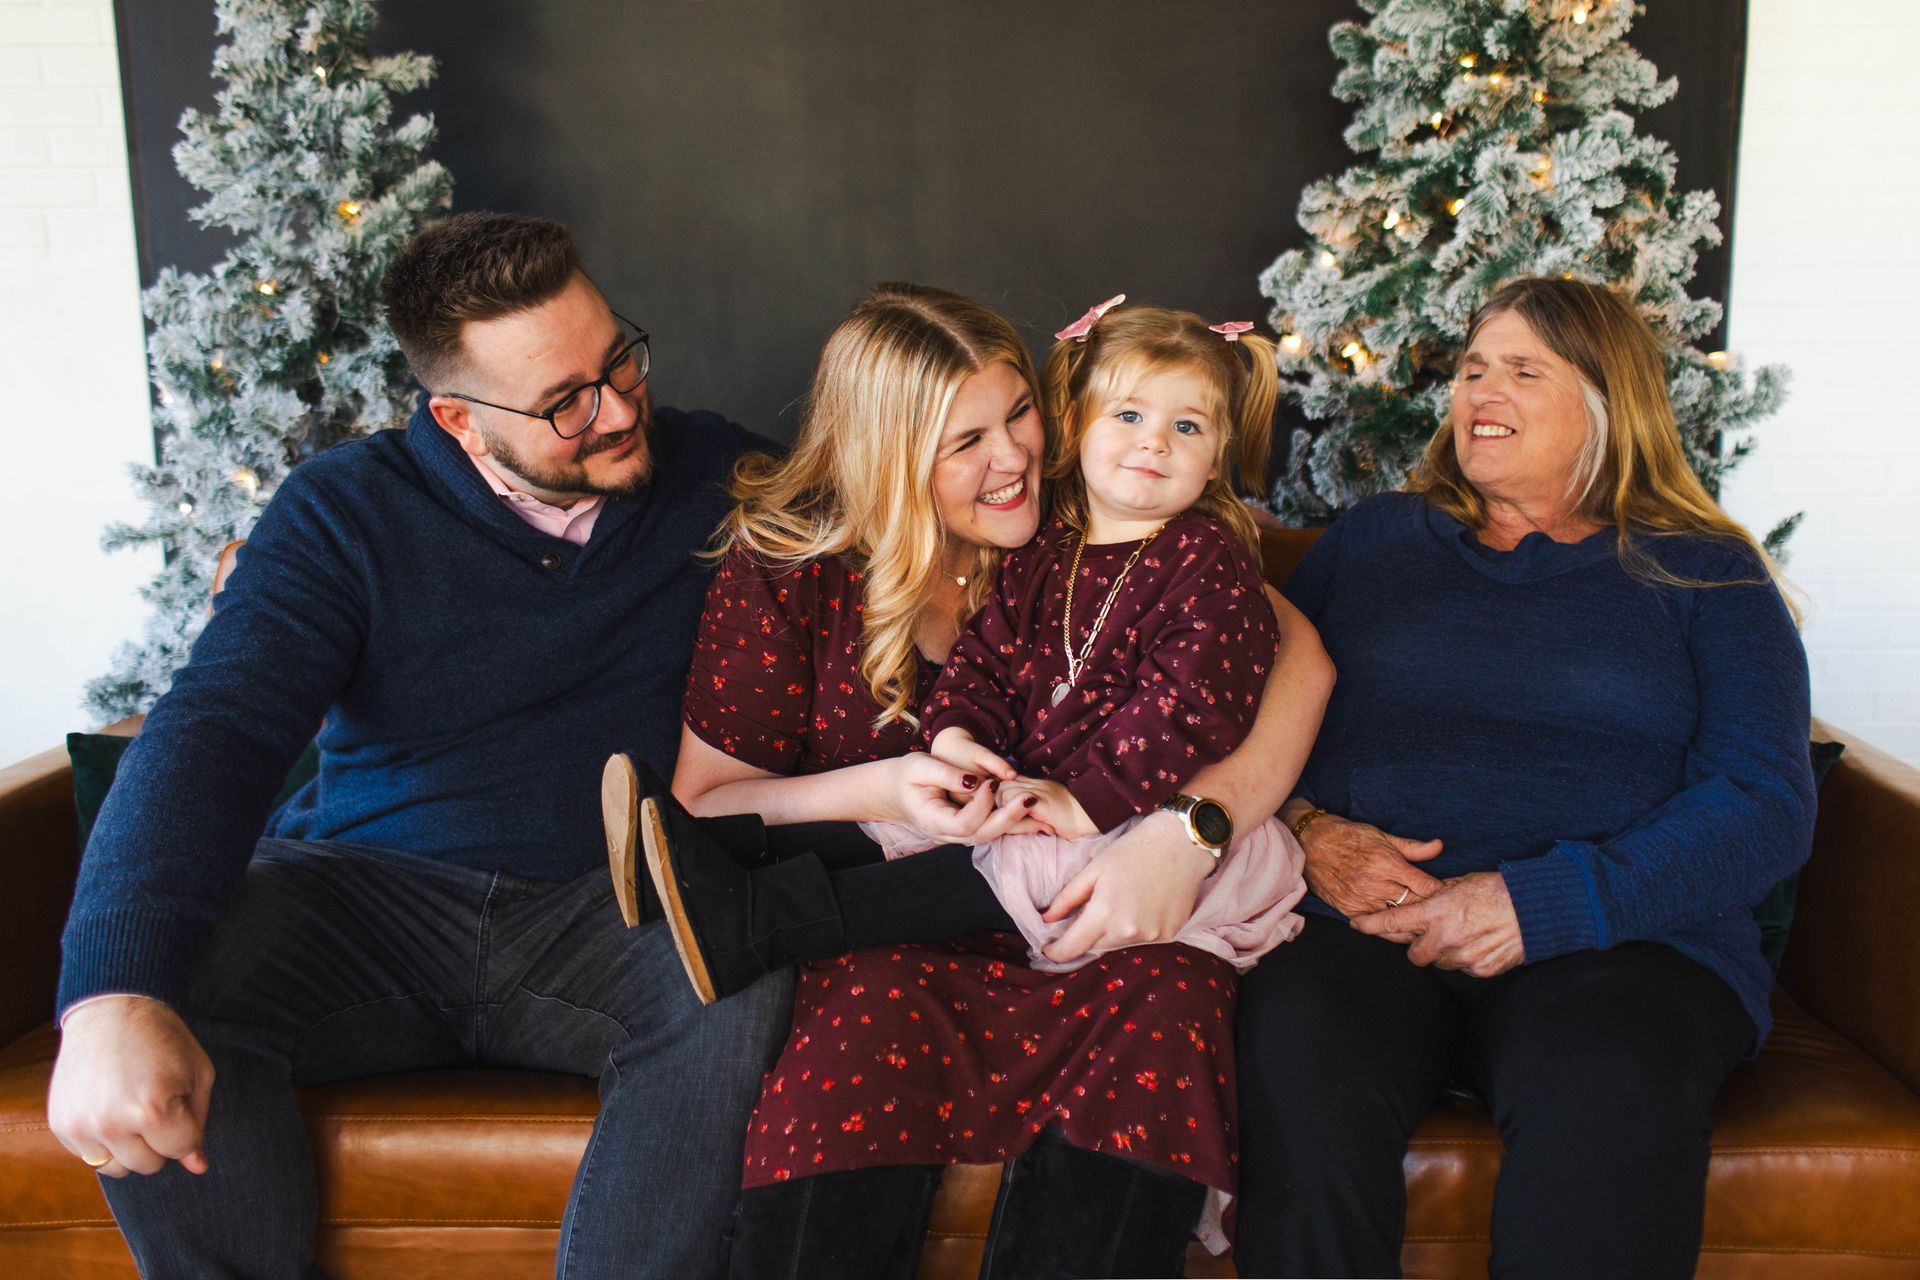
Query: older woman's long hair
[858, 482]
[1632, 472]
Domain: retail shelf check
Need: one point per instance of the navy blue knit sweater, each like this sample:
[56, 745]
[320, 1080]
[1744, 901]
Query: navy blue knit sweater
[1631, 758]
[473, 674]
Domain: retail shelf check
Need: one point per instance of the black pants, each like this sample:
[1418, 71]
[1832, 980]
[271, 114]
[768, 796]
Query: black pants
[930, 897]
[1600, 1069]
[1062, 1213]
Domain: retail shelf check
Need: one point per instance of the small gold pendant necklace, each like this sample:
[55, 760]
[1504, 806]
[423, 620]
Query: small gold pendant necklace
[1076, 663]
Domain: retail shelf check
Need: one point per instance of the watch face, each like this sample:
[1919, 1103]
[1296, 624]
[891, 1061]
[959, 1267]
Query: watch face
[1211, 823]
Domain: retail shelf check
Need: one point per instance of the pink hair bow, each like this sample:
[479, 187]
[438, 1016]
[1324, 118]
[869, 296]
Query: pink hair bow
[1080, 328]
[1231, 329]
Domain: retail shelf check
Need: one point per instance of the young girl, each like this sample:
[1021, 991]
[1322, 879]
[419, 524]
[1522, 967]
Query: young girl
[1128, 645]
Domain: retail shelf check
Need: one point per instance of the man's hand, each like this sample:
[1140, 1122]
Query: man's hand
[1139, 889]
[1469, 924]
[1050, 804]
[131, 1084]
[1356, 868]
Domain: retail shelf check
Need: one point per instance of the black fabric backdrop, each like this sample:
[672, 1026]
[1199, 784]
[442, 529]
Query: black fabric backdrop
[737, 171]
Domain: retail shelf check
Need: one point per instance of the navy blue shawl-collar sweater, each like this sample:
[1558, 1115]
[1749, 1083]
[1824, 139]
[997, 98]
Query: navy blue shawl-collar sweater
[1632, 759]
[473, 673]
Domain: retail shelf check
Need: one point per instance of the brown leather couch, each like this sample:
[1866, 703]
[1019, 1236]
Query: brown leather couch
[1815, 1172]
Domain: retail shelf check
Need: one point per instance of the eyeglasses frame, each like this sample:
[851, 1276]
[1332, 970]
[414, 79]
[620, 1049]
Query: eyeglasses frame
[605, 380]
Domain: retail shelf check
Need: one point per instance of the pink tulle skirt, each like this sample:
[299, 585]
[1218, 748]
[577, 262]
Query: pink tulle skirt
[1244, 909]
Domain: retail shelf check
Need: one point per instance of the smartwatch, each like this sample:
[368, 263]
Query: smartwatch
[1208, 823]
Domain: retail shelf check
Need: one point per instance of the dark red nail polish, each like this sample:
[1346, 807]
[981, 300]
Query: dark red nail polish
[968, 781]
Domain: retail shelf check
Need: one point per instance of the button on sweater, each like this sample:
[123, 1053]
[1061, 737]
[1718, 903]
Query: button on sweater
[1631, 758]
[387, 591]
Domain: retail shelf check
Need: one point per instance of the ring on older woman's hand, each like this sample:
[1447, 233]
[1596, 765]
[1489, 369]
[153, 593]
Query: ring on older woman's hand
[1405, 889]
[91, 1163]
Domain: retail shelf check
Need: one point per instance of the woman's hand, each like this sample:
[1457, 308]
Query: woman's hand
[1050, 805]
[944, 802]
[1468, 924]
[1356, 868]
[1139, 889]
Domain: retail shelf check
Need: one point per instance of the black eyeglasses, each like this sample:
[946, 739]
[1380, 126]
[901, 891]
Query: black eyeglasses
[576, 411]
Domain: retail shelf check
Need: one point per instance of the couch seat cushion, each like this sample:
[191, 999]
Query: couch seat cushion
[1816, 1152]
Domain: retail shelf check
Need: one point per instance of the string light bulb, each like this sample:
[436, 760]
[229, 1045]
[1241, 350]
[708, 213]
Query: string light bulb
[1455, 205]
[1539, 95]
[1580, 16]
[1292, 342]
[218, 362]
[1436, 119]
[1392, 219]
[247, 481]
[323, 357]
[320, 74]
[1467, 60]
[186, 506]
[1718, 359]
[1328, 260]
[1496, 79]
[267, 288]
[349, 210]
[1356, 353]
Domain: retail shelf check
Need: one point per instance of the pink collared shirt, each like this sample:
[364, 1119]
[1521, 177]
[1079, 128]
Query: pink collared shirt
[573, 524]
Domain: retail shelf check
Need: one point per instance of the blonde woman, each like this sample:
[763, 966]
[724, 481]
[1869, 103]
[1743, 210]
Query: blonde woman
[1567, 756]
[848, 571]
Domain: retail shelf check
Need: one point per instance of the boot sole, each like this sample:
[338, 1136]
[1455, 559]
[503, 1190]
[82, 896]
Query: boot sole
[667, 886]
[620, 815]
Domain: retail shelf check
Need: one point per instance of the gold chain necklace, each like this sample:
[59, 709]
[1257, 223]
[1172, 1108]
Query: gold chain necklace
[1076, 663]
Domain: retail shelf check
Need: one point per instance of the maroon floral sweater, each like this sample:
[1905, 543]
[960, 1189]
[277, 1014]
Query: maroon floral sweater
[1171, 682]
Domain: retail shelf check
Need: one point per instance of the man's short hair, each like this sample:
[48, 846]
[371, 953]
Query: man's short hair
[468, 267]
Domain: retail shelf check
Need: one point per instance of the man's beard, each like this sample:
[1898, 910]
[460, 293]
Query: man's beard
[571, 477]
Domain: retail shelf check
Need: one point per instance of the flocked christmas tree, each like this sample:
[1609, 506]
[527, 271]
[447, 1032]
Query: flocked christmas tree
[1500, 145]
[282, 349]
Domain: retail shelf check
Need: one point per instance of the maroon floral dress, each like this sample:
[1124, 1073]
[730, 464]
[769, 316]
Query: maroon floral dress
[956, 1052]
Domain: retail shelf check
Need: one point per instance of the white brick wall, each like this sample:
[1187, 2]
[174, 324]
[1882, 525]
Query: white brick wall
[1825, 275]
[73, 398]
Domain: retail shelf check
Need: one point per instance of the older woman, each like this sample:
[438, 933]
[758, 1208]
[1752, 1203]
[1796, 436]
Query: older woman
[1567, 754]
[850, 568]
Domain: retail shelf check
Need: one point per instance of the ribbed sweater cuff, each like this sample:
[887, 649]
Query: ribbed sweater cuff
[1553, 903]
[130, 952]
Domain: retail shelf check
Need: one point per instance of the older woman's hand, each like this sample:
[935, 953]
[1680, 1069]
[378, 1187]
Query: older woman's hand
[1469, 924]
[1356, 868]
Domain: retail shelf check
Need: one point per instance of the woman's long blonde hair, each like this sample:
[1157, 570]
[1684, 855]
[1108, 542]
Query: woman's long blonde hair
[1131, 344]
[1632, 472]
[858, 482]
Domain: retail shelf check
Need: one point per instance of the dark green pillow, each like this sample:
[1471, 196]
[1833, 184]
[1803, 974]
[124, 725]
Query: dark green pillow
[96, 758]
[1774, 915]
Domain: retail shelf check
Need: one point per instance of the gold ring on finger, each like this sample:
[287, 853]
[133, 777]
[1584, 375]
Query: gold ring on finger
[1405, 889]
[91, 1163]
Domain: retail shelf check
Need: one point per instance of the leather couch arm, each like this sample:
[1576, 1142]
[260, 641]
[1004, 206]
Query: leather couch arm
[39, 861]
[1853, 957]
[39, 857]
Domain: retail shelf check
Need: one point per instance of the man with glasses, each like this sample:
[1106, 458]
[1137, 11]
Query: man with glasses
[481, 608]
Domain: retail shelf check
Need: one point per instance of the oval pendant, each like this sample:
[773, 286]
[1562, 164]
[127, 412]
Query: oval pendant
[1060, 693]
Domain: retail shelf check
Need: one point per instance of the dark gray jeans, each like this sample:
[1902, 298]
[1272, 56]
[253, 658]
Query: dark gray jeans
[336, 961]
